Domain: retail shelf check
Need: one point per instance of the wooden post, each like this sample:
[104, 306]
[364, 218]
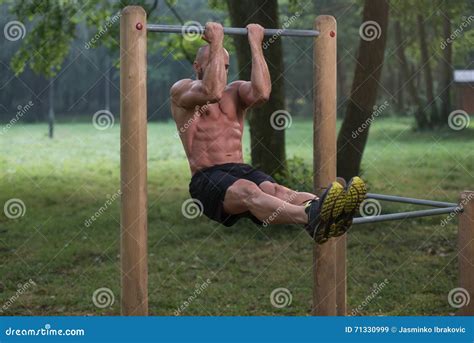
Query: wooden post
[133, 161]
[466, 249]
[324, 157]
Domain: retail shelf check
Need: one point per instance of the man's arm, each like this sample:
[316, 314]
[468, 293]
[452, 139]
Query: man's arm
[190, 93]
[258, 90]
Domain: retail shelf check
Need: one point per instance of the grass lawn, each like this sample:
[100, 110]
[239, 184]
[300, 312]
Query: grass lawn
[64, 181]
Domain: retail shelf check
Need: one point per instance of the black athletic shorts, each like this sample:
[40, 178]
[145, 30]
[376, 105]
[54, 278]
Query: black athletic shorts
[209, 185]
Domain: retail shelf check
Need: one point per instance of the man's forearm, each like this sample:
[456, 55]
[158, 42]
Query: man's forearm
[260, 76]
[215, 78]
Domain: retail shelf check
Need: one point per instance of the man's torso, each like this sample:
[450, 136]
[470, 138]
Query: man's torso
[212, 134]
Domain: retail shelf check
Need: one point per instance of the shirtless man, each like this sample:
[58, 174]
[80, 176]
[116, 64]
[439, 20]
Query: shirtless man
[209, 115]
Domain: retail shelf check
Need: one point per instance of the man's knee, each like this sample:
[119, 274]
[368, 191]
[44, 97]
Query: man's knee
[244, 190]
[279, 191]
[268, 187]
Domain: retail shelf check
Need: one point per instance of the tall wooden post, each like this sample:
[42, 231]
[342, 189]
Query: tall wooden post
[466, 250]
[133, 161]
[324, 156]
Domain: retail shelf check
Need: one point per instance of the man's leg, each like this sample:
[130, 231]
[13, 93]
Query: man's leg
[286, 194]
[245, 196]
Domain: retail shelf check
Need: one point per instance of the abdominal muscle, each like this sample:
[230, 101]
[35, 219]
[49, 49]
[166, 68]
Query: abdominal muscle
[211, 135]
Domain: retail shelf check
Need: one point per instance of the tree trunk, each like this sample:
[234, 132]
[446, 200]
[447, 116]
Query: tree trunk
[41, 105]
[446, 69]
[364, 91]
[267, 144]
[342, 91]
[400, 95]
[107, 81]
[425, 62]
[420, 115]
[51, 110]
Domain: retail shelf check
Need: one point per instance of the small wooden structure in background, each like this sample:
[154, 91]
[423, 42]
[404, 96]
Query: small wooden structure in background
[464, 81]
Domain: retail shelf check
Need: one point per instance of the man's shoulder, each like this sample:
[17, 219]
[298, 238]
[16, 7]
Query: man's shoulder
[236, 84]
[180, 84]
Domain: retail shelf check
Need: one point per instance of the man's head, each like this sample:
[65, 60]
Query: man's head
[202, 60]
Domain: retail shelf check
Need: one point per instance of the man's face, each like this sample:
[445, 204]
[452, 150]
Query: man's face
[202, 60]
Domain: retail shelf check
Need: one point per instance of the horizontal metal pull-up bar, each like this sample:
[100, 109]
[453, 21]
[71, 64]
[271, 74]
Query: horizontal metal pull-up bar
[405, 215]
[414, 201]
[193, 29]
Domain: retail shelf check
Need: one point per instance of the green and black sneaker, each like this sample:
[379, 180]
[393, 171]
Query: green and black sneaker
[356, 192]
[323, 212]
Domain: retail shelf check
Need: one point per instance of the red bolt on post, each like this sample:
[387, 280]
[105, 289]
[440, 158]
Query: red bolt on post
[139, 26]
[332, 34]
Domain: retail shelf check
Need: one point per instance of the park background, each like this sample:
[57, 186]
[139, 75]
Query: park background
[59, 157]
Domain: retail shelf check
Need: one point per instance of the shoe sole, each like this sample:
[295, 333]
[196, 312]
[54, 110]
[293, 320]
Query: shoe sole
[332, 207]
[356, 193]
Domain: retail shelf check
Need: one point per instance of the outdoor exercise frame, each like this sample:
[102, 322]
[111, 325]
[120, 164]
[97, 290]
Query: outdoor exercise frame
[329, 259]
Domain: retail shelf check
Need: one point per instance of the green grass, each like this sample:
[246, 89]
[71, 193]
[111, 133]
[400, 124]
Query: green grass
[66, 180]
